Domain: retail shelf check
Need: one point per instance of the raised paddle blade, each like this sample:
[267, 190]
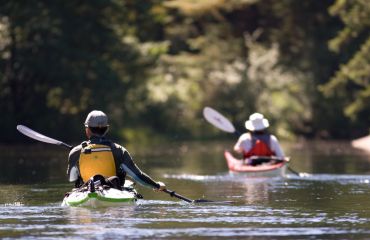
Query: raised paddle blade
[218, 120]
[38, 136]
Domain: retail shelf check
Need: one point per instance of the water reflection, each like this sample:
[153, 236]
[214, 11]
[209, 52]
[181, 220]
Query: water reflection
[254, 190]
[11, 195]
[31, 195]
[240, 188]
[86, 216]
[332, 157]
[46, 163]
[31, 163]
[331, 203]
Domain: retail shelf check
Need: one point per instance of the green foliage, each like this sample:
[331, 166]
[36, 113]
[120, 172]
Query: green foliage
[351, 82]
[62, 59]
[254, 56]
[155, 64]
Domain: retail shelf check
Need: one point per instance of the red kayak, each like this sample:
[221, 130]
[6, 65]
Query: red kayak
[239, 165]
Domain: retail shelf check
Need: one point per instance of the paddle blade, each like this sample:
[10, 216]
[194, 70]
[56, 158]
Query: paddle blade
[37, 136]
[218, 120]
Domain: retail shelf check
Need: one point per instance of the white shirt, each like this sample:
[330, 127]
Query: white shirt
[244, 144]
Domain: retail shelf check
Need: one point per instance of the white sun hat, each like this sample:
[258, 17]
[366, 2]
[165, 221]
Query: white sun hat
[256, 122]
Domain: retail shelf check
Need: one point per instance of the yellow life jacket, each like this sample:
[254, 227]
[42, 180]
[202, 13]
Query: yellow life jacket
[96, 159]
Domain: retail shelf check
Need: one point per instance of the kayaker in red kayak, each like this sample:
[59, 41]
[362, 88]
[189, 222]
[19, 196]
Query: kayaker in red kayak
[258, 142]
[100, 156]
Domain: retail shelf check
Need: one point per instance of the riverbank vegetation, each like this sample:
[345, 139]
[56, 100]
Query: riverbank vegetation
[153, 65]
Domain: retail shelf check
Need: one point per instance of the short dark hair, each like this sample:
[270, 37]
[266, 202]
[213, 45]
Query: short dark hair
[98, 130]
[260, 132]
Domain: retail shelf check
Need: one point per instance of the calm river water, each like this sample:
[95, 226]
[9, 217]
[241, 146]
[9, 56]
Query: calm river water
[332, 202]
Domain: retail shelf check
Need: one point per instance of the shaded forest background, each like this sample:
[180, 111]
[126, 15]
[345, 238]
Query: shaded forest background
[153, 65]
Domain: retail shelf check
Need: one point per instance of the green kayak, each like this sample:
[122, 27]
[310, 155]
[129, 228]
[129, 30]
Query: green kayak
[101, 196]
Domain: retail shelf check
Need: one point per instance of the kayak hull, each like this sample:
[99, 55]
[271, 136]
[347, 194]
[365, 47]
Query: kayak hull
[101, 197]
[238, 165]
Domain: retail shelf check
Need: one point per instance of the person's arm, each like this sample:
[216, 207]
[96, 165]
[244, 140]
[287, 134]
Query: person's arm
[275, 147]
[133, 171]
[243, 145]
[73, 157]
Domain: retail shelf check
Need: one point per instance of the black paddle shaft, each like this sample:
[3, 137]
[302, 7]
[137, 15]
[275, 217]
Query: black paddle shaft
[174, 194]
[66, 145]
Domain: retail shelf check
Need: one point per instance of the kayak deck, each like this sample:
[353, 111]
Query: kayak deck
[239, 165]
[102, 196]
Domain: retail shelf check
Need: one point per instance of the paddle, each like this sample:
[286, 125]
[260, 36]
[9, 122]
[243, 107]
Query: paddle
[174, 194]
[42, 138]
[221, 122]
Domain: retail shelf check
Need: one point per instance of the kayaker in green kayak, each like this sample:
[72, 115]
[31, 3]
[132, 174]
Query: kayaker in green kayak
[258, 142]
[100, 156]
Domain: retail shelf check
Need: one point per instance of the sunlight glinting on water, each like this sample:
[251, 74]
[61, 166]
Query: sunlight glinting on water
[340, 178]
[313, 205]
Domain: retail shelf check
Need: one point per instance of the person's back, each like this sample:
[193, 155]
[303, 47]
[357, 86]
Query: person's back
[99, 156]
[258, 142]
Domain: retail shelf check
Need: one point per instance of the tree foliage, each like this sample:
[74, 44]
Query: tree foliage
[63, 59]
[266, 56]
[153, 65]
[351, 82]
